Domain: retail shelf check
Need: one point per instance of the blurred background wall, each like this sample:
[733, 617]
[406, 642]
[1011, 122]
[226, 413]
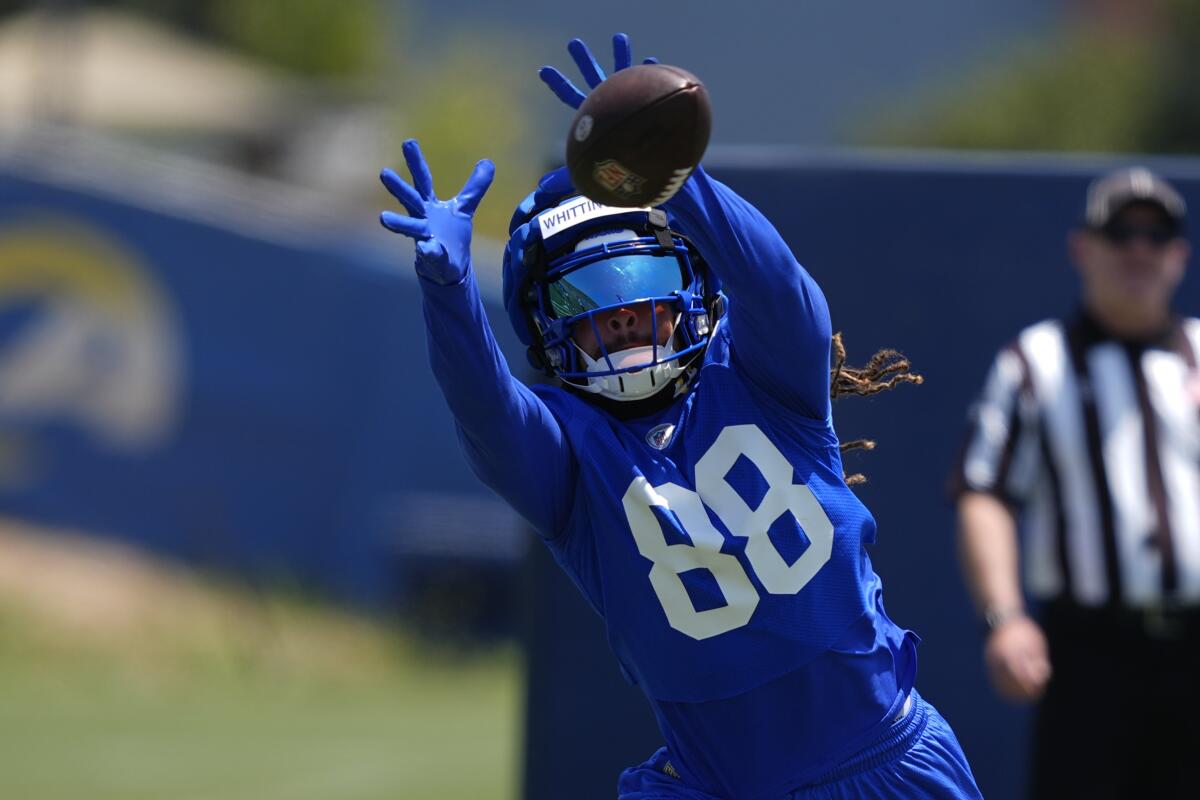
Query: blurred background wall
[211, 354]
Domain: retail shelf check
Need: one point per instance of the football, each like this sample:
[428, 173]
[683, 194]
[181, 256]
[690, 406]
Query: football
[638, 135]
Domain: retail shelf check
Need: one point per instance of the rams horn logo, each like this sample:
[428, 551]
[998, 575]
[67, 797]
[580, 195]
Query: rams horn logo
[99, 347]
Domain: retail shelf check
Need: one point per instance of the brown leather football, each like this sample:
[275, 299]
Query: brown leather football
[638, 135]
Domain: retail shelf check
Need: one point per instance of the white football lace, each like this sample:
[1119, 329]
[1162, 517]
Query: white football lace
[680, 175]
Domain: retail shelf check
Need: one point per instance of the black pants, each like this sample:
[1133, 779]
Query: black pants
[1121, 716]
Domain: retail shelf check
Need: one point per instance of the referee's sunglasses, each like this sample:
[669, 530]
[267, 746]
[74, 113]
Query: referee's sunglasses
[1122, 234]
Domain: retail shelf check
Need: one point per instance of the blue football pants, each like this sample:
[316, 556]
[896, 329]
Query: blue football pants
[917, 758]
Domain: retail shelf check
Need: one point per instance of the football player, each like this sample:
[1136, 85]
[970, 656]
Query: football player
[686, 474]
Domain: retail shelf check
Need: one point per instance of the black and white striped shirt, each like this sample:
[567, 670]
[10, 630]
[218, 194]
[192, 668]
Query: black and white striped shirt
[1097, 441]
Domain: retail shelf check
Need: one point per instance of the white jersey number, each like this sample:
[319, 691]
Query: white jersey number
[715, 493]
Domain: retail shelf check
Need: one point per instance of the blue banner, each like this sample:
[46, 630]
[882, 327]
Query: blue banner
[224, 398]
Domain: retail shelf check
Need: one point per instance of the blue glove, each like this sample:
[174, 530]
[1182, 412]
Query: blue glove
[592, 73]
[441, 228]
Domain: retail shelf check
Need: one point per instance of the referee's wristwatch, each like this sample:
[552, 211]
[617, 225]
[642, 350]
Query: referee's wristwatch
[996, 616]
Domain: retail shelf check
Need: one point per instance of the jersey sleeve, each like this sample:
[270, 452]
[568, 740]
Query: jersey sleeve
[778, 318]
[511, 440]
[1001, 450]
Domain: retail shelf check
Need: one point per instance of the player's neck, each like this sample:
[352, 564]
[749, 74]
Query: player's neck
[631, 409]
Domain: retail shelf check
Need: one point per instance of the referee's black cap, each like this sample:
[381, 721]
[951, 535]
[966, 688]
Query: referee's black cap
[1109, 194]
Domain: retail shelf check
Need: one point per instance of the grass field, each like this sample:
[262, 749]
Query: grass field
[192, 691]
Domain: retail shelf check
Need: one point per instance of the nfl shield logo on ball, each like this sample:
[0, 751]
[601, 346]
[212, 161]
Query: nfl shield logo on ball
[583, 128]
[617, 178]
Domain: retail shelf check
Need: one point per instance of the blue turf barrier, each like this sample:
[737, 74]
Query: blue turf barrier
[945, 258]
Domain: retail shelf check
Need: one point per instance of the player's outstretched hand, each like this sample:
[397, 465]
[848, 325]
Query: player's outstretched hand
[441, 228]
[592, 73]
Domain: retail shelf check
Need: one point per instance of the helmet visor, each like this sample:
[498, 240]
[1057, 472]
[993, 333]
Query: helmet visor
[614, 281]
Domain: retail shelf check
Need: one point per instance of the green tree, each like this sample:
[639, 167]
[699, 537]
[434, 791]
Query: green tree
[465, 104]
[1081, 93]
[1091, 88]
[333, 38]
[1176, 125]
[312, 38]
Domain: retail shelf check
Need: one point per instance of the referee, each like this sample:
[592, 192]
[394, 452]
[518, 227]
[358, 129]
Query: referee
[1087, 433]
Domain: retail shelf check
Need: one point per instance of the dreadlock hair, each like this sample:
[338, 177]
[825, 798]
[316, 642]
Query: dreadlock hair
[885, 370]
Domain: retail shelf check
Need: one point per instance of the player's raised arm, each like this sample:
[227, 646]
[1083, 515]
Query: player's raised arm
[777, 313]
[507, 432]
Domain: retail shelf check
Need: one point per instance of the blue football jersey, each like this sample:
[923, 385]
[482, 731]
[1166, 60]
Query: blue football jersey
[717, 537]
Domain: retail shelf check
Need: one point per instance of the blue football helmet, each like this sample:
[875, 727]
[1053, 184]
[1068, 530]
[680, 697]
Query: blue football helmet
[576, 264]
